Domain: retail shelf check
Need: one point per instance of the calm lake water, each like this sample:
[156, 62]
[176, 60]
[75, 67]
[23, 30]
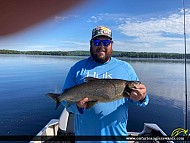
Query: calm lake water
[24, 81]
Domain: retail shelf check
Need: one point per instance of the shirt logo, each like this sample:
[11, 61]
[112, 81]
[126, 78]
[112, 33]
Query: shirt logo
[96, 75]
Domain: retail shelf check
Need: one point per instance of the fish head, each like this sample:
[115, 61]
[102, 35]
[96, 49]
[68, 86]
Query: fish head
[133, 84]
[130, 85]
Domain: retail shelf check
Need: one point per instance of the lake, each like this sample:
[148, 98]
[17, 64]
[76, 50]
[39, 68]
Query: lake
[25, 79]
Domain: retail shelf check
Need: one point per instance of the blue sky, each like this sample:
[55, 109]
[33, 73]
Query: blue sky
[137, 25]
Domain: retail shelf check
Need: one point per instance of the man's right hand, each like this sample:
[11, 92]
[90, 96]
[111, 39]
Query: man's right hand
[82, 103]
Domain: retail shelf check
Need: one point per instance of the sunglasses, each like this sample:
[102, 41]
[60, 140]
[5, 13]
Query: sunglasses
[104, 42]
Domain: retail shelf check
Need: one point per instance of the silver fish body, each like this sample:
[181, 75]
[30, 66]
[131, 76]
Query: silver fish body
[96, 90]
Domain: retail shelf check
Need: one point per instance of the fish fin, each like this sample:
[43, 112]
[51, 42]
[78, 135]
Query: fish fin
[54, 96]
[90, 104]
[87, 79]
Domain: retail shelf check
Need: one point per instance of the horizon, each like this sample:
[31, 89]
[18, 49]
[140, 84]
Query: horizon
[89, 51]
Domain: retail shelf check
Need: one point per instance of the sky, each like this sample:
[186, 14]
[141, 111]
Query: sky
[137, 26]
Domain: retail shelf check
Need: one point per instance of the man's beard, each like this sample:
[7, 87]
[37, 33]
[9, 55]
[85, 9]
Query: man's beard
[104, 59]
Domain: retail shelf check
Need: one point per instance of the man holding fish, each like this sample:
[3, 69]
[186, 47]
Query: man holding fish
[105, 77]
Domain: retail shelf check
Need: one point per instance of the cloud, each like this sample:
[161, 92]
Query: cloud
[149, 33]
[52, 45]
[162, 34]
[26, 47]
[107, 17]
[60, 46]
[62, 18]
[95, 19]
[75, 43]
[154, 27]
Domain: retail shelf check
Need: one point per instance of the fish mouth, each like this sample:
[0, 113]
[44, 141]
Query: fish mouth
[131, 86]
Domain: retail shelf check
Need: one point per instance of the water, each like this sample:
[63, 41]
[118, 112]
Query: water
[24, 81]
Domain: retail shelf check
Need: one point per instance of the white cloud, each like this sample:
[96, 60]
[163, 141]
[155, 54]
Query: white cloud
[75, 43]
[154, 27]
[62, 18]
[163, 34]
[53, 45]
[60, 46]
[148, 33]
[94, 19]
[107, 17]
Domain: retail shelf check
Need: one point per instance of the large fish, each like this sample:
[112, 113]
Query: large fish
[96, 90]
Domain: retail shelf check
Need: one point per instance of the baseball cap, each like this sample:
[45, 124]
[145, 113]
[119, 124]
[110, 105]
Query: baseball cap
[101, 31]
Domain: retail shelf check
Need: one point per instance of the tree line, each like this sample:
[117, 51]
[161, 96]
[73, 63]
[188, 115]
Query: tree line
[115, 54]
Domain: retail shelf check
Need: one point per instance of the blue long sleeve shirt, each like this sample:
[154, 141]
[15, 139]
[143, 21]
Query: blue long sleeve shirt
[103, 119]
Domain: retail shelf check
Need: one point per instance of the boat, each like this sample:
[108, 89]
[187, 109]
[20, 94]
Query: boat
[63, 129]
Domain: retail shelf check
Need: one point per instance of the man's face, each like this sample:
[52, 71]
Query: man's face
[101, 53]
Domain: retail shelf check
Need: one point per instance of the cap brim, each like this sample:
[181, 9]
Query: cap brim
[101, 35]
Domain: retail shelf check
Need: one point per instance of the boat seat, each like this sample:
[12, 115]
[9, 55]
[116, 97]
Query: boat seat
[66, 123]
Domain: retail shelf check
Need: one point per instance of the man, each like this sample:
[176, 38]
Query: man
[103, 119]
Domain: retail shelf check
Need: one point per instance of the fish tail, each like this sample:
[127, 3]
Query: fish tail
[55, 98]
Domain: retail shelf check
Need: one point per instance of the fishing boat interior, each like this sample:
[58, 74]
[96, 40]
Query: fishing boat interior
[62, 130]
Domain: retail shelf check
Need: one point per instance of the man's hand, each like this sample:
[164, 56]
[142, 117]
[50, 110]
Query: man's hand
[138, 93]
[82, 103]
